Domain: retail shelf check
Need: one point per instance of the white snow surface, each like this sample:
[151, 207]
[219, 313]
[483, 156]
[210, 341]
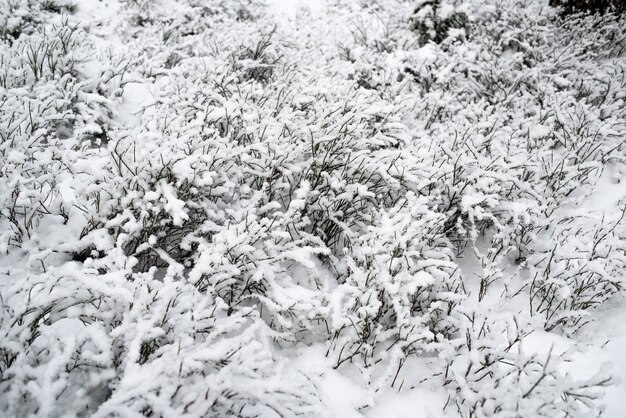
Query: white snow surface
[290, 8]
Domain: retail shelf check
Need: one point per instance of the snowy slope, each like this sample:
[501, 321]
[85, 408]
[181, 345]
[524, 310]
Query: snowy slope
[311, 208]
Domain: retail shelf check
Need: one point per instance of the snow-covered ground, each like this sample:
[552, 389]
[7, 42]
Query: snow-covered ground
[333, 208]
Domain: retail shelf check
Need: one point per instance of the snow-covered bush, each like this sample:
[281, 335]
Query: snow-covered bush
[491, 373]
[25, 17]
[52, 116]
[121, 343]
[390, 183]
[436, 20]
[575, 268]
[400, 287]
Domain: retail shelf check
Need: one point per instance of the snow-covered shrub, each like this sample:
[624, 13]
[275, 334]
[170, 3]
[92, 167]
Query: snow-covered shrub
[202, 208]
[50, 117]
[491, 373]
[120, 343]
[350, 166]
[588, 6]
[258, 59]
[576, 268]
[400, 287]
[25, 17]
[436, 20]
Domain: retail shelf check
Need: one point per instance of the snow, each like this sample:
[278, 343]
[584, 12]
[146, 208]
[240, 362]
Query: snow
[413, 403]
[612, 334]
[539, 131]
[174, 206]
[288, 9]
[135, 98]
